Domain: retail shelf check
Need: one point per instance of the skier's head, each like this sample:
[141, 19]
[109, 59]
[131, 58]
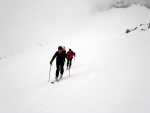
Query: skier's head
[60, 49]
[69, 49]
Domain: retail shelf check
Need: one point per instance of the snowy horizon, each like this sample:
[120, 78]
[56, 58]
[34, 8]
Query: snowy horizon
[26, 24]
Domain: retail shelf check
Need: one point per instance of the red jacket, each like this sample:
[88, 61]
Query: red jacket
[70, 54]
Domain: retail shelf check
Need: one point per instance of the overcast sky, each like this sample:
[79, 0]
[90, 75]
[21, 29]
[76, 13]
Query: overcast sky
[25, 23]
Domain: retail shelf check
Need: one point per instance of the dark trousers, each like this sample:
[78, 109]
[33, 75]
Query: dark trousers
[60, 67]
[69, 62]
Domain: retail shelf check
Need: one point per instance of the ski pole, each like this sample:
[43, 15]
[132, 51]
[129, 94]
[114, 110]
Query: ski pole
[49, 73]
[69, 72]
[74, 61]
[69, 67]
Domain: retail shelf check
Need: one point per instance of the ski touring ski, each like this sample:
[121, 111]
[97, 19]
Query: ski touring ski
[53, 82]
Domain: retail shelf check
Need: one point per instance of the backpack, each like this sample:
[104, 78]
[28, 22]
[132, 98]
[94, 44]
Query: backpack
[64, 49]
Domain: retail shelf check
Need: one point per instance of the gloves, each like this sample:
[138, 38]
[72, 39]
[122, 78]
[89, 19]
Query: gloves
[50, 62]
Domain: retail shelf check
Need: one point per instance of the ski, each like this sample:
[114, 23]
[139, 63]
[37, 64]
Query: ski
[53, 82]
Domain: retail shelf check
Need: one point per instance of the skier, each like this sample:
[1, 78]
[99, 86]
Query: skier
[70, 55]
[64, 49]
[60, 58]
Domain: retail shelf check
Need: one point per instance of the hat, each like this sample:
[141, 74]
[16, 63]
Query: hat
[59, 48]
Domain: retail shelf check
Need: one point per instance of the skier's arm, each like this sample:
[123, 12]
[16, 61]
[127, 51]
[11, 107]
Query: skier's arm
[53, 58]
[66, 55]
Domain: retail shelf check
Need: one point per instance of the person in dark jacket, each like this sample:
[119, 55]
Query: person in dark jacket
[70, 55]
[60, 58]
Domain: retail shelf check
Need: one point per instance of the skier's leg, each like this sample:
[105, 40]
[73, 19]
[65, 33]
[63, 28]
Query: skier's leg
[62, 70]
[57, 70]
[70, 63]
[67, 63]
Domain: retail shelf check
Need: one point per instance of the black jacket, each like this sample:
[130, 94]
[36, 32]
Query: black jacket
[60, 57]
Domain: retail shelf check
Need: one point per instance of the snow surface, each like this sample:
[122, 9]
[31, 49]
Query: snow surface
[111, 72]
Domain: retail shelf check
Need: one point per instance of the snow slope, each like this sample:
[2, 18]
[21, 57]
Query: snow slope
[111, 72]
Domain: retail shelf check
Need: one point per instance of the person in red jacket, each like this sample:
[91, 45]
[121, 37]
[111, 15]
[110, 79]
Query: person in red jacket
[70, 55]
